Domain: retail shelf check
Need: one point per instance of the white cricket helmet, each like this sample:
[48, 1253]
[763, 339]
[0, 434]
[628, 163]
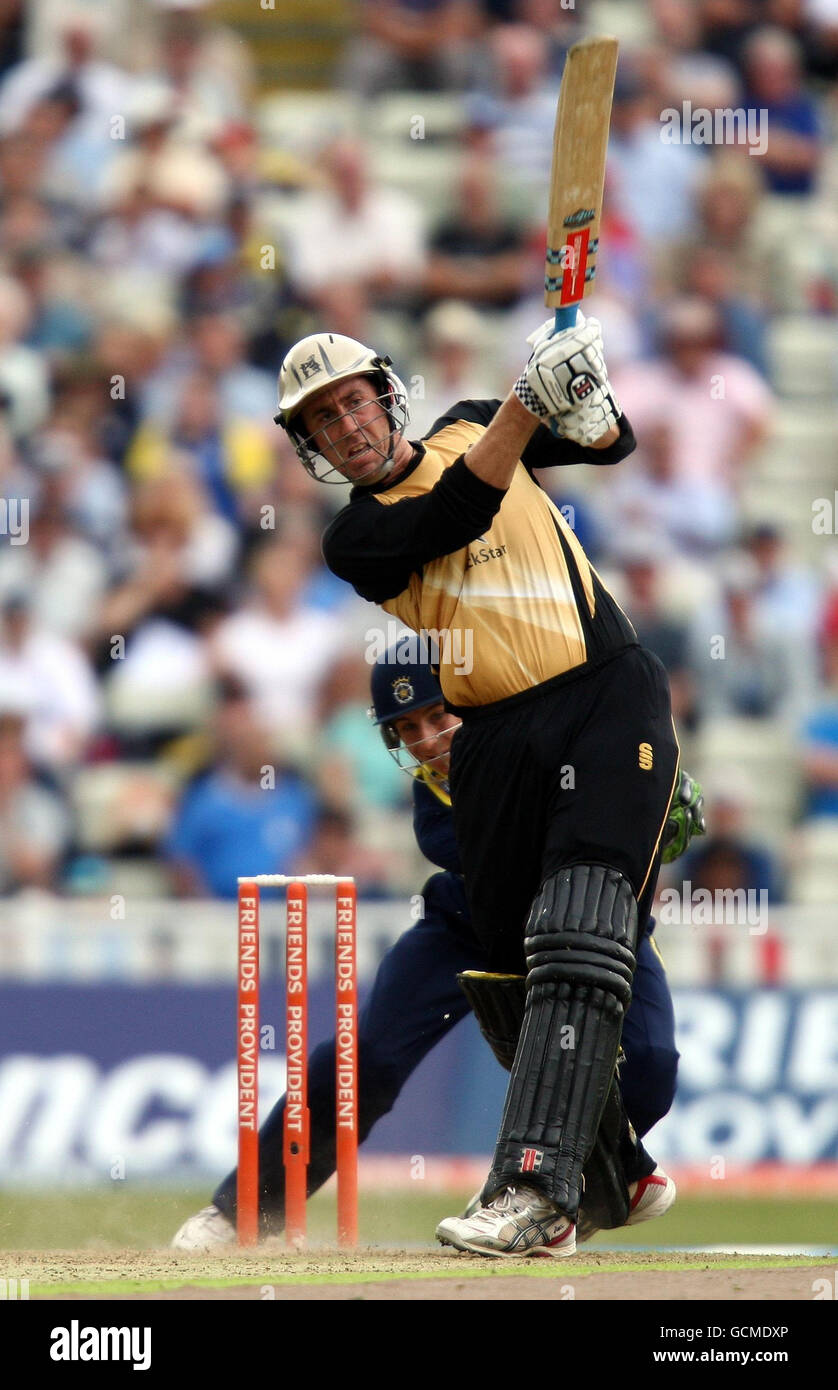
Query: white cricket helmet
[320, 360]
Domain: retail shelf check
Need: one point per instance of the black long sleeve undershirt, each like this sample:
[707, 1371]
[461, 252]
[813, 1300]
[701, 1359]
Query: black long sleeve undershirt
[545, 449]
[378, 548]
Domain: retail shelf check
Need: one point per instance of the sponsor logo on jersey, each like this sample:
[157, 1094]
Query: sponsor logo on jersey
[484, 554]
[645, 757]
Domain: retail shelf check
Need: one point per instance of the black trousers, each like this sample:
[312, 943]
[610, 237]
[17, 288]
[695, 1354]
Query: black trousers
[580, 769]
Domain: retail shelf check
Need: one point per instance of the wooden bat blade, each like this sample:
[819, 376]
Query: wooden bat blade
[580, 145]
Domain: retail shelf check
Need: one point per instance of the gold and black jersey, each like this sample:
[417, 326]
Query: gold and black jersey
[497, 579]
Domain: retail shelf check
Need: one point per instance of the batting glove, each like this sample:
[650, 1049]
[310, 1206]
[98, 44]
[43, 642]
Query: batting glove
[686, 818]
[565, 382]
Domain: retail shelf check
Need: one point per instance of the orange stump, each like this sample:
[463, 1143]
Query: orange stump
[296, 1119]
[346, 1064]
[247, 1179]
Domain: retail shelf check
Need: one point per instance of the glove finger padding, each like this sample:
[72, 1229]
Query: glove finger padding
[685, 819]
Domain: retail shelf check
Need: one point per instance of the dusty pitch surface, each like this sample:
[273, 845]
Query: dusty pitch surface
[398, 1276]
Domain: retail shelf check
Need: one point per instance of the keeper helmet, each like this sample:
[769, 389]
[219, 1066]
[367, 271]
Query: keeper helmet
[320, 360]
[402, 684]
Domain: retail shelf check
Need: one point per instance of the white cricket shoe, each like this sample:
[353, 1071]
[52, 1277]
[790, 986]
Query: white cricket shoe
[205, 1231]
[518, 1222]
[650, 1197]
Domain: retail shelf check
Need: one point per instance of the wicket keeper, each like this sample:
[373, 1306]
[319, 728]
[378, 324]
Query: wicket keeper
[415, 1000]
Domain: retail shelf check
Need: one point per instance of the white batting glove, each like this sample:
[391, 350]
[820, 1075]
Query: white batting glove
[565, 383]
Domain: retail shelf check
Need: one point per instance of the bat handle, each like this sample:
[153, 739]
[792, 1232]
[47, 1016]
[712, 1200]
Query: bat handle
[565, 318]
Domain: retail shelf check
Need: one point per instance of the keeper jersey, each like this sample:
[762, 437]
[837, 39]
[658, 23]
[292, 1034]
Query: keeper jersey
[496, 579]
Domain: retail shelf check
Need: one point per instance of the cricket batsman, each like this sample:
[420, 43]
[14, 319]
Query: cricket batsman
[564, 767]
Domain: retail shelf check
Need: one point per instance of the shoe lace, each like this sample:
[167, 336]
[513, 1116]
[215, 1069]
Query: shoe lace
[512, 1199]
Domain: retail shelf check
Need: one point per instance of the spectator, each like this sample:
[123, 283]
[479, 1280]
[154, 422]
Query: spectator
[652, 184]
[418, 45]
[91, 488]
[726, 25]
[454, 335]
[181, 545]
[727, 858]
[11, 35]
[558, 21]
[177, 172]
[353, 237]
[63, 574]
[517, 114]
[154, 625]
[34, 824]
[647, 577]
[131, 345]
[141, 237]
[206, 65]
[820, 730]
[711, 276]
[698, 520]
[713, 409]
[24, 380]
[335, 849]
[787, 597]
[277, 646]
[816, 26]
[246, 815]
[230, 456]
[26, 225]
[352, 771]
[60, 324]
[77, 152]
[728, 201]
[740, 669]
[793, 138]
[217, 348]
[49, 678]
[479, 255]
[102, 88]
[677, 24]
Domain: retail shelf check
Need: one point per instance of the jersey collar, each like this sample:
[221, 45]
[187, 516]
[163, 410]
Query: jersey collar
[418, 455]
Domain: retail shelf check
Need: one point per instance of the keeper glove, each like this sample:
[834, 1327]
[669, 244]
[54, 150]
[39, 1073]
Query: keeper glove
[686, 818]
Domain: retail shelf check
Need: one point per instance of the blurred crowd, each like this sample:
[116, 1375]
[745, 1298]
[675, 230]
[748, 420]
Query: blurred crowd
[183, 687]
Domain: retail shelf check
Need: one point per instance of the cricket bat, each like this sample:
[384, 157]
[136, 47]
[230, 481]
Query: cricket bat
[580, 143]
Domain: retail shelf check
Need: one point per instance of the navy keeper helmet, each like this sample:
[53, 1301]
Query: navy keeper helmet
[401, 685]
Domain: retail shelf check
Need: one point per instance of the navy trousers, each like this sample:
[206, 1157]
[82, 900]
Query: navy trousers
[415, 1001]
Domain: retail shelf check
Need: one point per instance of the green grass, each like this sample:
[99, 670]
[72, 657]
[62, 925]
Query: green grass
[144, 1218]
[722, 1220]
[539, 1269]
